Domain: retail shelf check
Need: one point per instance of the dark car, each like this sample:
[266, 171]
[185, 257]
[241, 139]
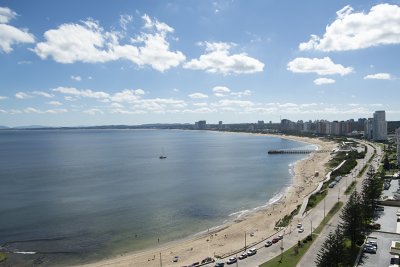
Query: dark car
[243, 256]
[275, 240]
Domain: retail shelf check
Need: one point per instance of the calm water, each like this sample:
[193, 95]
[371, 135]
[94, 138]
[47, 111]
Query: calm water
[80, 195]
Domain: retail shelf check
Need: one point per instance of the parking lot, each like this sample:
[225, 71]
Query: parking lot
[382, 256]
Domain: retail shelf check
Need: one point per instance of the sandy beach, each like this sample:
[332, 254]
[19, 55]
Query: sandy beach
[228, 239]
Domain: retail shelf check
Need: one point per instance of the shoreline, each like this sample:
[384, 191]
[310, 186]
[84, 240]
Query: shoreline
[227, 238]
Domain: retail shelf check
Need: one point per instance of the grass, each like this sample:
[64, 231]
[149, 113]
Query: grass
[290, 258]
[3, 256]
[286, 220]
[350, 188]
[316, 198]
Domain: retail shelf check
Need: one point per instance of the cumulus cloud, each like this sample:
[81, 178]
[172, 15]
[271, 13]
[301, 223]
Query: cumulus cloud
[81, 93]
[378, 76]
[76, 78]
[321, 81]
[89, 42]
[55, 103]
[351, 31]
[43, 94]
[22, 95]
[3, 97]
[127, 95]
[198, 95]
[320, 66]
[221, 91]
[241, 94]
[218, 59]
[93, 111]
[49, 111]
[10, 35]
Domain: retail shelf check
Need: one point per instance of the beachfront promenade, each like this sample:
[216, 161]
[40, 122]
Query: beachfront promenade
[312, 218]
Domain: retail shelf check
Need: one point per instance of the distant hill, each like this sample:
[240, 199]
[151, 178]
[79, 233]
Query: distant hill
[4, 127]
[31, 127]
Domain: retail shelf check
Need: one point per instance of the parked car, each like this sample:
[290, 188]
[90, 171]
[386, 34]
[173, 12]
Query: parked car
[369, 249]
[300, 230]
[299, 225]
[231, 260]
[275, 240]
[280, 237]
[251, 251]
[375, 226]
[243, 256]
[379, 208]
[207, 260]
[175, 259]
[219, 264]
[332, 184]
[268, 243]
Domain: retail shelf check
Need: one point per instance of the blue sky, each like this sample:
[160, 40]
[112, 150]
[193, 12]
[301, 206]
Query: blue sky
[70, 63]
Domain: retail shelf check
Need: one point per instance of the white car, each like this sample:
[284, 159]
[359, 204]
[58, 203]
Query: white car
[251, 251]
[301, 230]
[299, 225]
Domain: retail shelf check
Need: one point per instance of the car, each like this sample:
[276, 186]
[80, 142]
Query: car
[375, 226]
[175, 259]
[379, 208]
[372, 243]
[231, 260]
[300, 230]
[299, 225]
[268, 243]
[243, 256]
[275, 240]
[219, 264]
[398, 212]
[207, 260]
[280, 237]
[369, 249]
[251, 251]
[332, 185]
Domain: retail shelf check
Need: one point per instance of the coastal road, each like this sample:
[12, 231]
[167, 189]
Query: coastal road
[310, 256]
[312, 219]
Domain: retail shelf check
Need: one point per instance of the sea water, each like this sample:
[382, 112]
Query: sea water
[74, 196]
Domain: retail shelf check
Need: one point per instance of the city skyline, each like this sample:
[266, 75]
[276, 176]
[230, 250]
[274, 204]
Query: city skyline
[71, 64]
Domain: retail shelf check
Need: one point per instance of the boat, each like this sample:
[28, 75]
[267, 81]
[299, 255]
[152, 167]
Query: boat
[162, 156]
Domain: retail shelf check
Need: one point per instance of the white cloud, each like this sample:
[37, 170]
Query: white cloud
[89, 42]
[127, 95]
[55, 103]
[221, 91]
[10, 35]
[200, 104]
[93, 111]
[6, 14]
[3, 97]
[198, 95]
[241, 94]
[81, 93]
[56, 111]
[124, 20]
[44, 94]
[175, 90]
[219, 60]
[76, 78]
[351, 31]
[229, 102]
[321, 81]
[379, 76]
[321, 66]
[116, 105]
[31, 110]
[22, 95]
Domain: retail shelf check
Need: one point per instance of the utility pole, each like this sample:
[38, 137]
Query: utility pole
[245, 242]
[160, 260]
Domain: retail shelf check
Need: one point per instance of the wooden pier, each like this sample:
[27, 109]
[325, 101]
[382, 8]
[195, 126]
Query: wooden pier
[296, 151]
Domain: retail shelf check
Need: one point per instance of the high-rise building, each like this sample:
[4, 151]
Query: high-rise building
[368, 128]
[398, 145]
[379, 126]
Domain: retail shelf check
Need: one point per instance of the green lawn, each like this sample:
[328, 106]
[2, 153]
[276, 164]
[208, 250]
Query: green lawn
[3, 256]
[350, 188]
[289, 258]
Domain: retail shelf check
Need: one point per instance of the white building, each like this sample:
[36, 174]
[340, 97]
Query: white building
[379, 126]
[398, 145]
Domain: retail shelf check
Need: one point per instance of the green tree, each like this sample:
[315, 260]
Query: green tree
[386, 163]
[331, 253]
[353, 220]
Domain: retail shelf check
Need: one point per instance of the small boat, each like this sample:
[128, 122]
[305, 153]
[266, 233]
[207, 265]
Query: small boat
[162, 156]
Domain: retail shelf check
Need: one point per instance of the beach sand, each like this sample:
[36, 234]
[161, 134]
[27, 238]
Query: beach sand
[229, 238]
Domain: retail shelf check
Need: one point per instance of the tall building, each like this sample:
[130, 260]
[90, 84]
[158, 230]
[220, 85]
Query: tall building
[398, 145]
[379, 126]
[368, 128]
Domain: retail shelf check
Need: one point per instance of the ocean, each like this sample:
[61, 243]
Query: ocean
[75, 196]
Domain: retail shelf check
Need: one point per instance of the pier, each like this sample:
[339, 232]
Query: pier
[296, 151]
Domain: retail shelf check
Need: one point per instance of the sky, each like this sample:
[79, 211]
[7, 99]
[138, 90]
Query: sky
[83, 63]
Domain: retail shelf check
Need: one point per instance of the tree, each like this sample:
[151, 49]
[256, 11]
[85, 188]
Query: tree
[331, 253]
[371, 193]
[386, 163]
[353, 220]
